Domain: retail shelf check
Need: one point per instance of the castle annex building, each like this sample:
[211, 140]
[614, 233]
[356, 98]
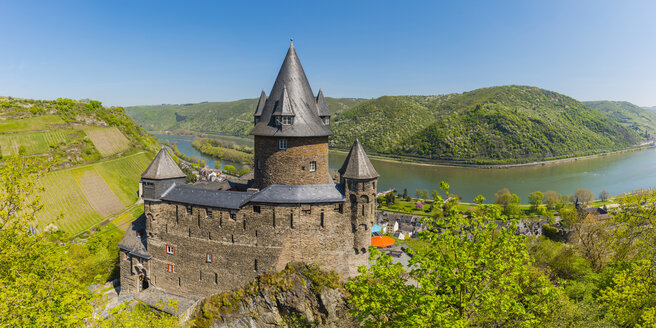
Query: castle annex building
[199, 241]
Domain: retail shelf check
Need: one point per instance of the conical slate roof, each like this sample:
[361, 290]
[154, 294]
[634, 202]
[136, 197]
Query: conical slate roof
[299, 100]
[357, 164]
[163, 167]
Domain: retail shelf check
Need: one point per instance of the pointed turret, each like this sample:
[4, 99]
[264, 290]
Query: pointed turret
[357, 164]
[291, 86]
[160, 175]
[163, 167]
[322, 108]
[284, 105]
[260, 107]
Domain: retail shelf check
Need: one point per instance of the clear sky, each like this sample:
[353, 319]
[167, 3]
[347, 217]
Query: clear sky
[153, 52]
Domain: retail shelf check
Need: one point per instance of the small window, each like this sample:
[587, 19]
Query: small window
[188, 210]
[326, 120]
[216, 278]
[170, 249]
[169, 268]
[338, 207]
[208, 257]
[233, 216]
[257, 209]
[259, 165]
[278, 120]
[287, 120]
[306, 209]
[322, 223]
[291, 220]
[313, 166]
[138, 234]
[255, 265]
[209, 213]
[282, 144]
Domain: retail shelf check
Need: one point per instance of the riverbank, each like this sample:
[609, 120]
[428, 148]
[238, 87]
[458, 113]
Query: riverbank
[424, 161]
[429, 162]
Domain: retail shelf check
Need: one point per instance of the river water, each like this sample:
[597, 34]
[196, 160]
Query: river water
[618, 173]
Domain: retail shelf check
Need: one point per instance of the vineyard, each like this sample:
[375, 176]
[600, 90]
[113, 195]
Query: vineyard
[32, 142]
[108, 141]
[78, 198]
[29, 124]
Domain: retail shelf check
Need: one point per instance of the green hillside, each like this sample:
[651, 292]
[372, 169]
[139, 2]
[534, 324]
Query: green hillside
[637, 118]
[226, 118]
[497, 124]
[98, 154]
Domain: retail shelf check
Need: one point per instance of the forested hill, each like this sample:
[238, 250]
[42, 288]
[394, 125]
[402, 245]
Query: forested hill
[227, 118]
[497, 124]
[635, 117]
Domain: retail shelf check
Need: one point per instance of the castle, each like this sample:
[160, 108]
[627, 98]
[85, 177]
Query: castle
[200, 241]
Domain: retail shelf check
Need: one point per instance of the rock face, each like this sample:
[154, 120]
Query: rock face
[299, 296]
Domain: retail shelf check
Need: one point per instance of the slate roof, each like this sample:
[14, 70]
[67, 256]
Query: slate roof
[322, 106]
[163, 167]
[260, 104]
[291, 92]
[357, 164]
[206, 197]
[134, 245]
[300, 194]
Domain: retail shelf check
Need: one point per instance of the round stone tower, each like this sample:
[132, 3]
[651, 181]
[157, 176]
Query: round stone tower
[360, 178]
[291, 131]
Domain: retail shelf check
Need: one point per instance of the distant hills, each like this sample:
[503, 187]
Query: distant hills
[652, 108]
[506, 124]
[227, 118]
[637, 118]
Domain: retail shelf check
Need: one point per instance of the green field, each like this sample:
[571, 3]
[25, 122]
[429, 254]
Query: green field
[29, 124]
[64, 196]
[34, 142]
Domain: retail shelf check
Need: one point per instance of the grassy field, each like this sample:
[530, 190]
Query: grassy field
[34, 142]
[108, 141]
[82, 206]
[123, 221]
[29, 124]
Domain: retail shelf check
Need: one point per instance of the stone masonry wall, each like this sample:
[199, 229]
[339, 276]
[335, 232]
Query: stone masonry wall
[251, 241]
[292, 165]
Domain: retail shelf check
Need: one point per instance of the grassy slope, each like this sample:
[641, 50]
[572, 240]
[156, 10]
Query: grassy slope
[228, 118]
[498, 124]
[56, 129]
[628, 114]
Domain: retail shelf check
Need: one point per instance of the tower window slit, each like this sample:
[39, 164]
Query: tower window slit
[321, 224]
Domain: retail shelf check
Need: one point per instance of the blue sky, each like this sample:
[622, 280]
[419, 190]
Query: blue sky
[153, 52]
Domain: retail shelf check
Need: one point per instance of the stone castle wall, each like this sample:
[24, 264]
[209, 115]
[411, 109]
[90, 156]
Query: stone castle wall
[245, 243]
[290, 166]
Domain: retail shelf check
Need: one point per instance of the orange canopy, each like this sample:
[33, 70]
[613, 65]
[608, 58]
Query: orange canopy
[382, 241]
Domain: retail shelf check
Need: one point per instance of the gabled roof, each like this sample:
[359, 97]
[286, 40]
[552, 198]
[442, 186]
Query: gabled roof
[187, 194]
[322, 106]
[301, 102]
[260, 104]
[357, 164]
[163, 167]
[133, 244]
[299, 194]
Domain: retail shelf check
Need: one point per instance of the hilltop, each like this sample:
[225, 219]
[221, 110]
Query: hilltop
[98, 152]
[492, 125]
[227, 118]
[639, 119]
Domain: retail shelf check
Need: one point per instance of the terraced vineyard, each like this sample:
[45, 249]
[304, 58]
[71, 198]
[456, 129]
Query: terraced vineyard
[33, 142]
[30, 123]
[83, 196]
[108, 141]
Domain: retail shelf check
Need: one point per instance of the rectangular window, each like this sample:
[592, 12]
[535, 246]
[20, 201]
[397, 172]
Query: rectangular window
[209, 213]
[326, 120]
[259, 165]
[338, 207]
[313, 166]
[287, 120]
[257, 209]
[306, 209]
[233, 216]
[169, 268]
[321, 224]
[188, 210]
[216, 278]
[291, 220]
[282, 144]
[170, 249]
[278, 120]
[208, 257]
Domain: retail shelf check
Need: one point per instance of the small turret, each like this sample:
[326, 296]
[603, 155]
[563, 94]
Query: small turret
[160, 174]
[260, 107]
[359, 179]
[322, 108]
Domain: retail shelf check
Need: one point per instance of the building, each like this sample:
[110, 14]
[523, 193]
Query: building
[198, 241]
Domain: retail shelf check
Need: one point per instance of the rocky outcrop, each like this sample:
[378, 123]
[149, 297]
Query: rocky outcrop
[299, 296]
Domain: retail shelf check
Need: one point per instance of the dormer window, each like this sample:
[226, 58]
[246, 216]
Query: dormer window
[287, 120]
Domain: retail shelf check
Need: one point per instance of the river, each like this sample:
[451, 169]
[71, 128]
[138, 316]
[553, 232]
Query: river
[617, 173]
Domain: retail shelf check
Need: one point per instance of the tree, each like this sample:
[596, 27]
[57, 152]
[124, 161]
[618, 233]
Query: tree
[405, 193]
[501, 197]
[535, 199]
[479, 200]
[475, 273]
[39, 283]
[583, 195]
[603, 195]
[553, 199]
[435, 194]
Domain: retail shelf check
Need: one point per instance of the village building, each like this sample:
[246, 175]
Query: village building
[199, 240]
